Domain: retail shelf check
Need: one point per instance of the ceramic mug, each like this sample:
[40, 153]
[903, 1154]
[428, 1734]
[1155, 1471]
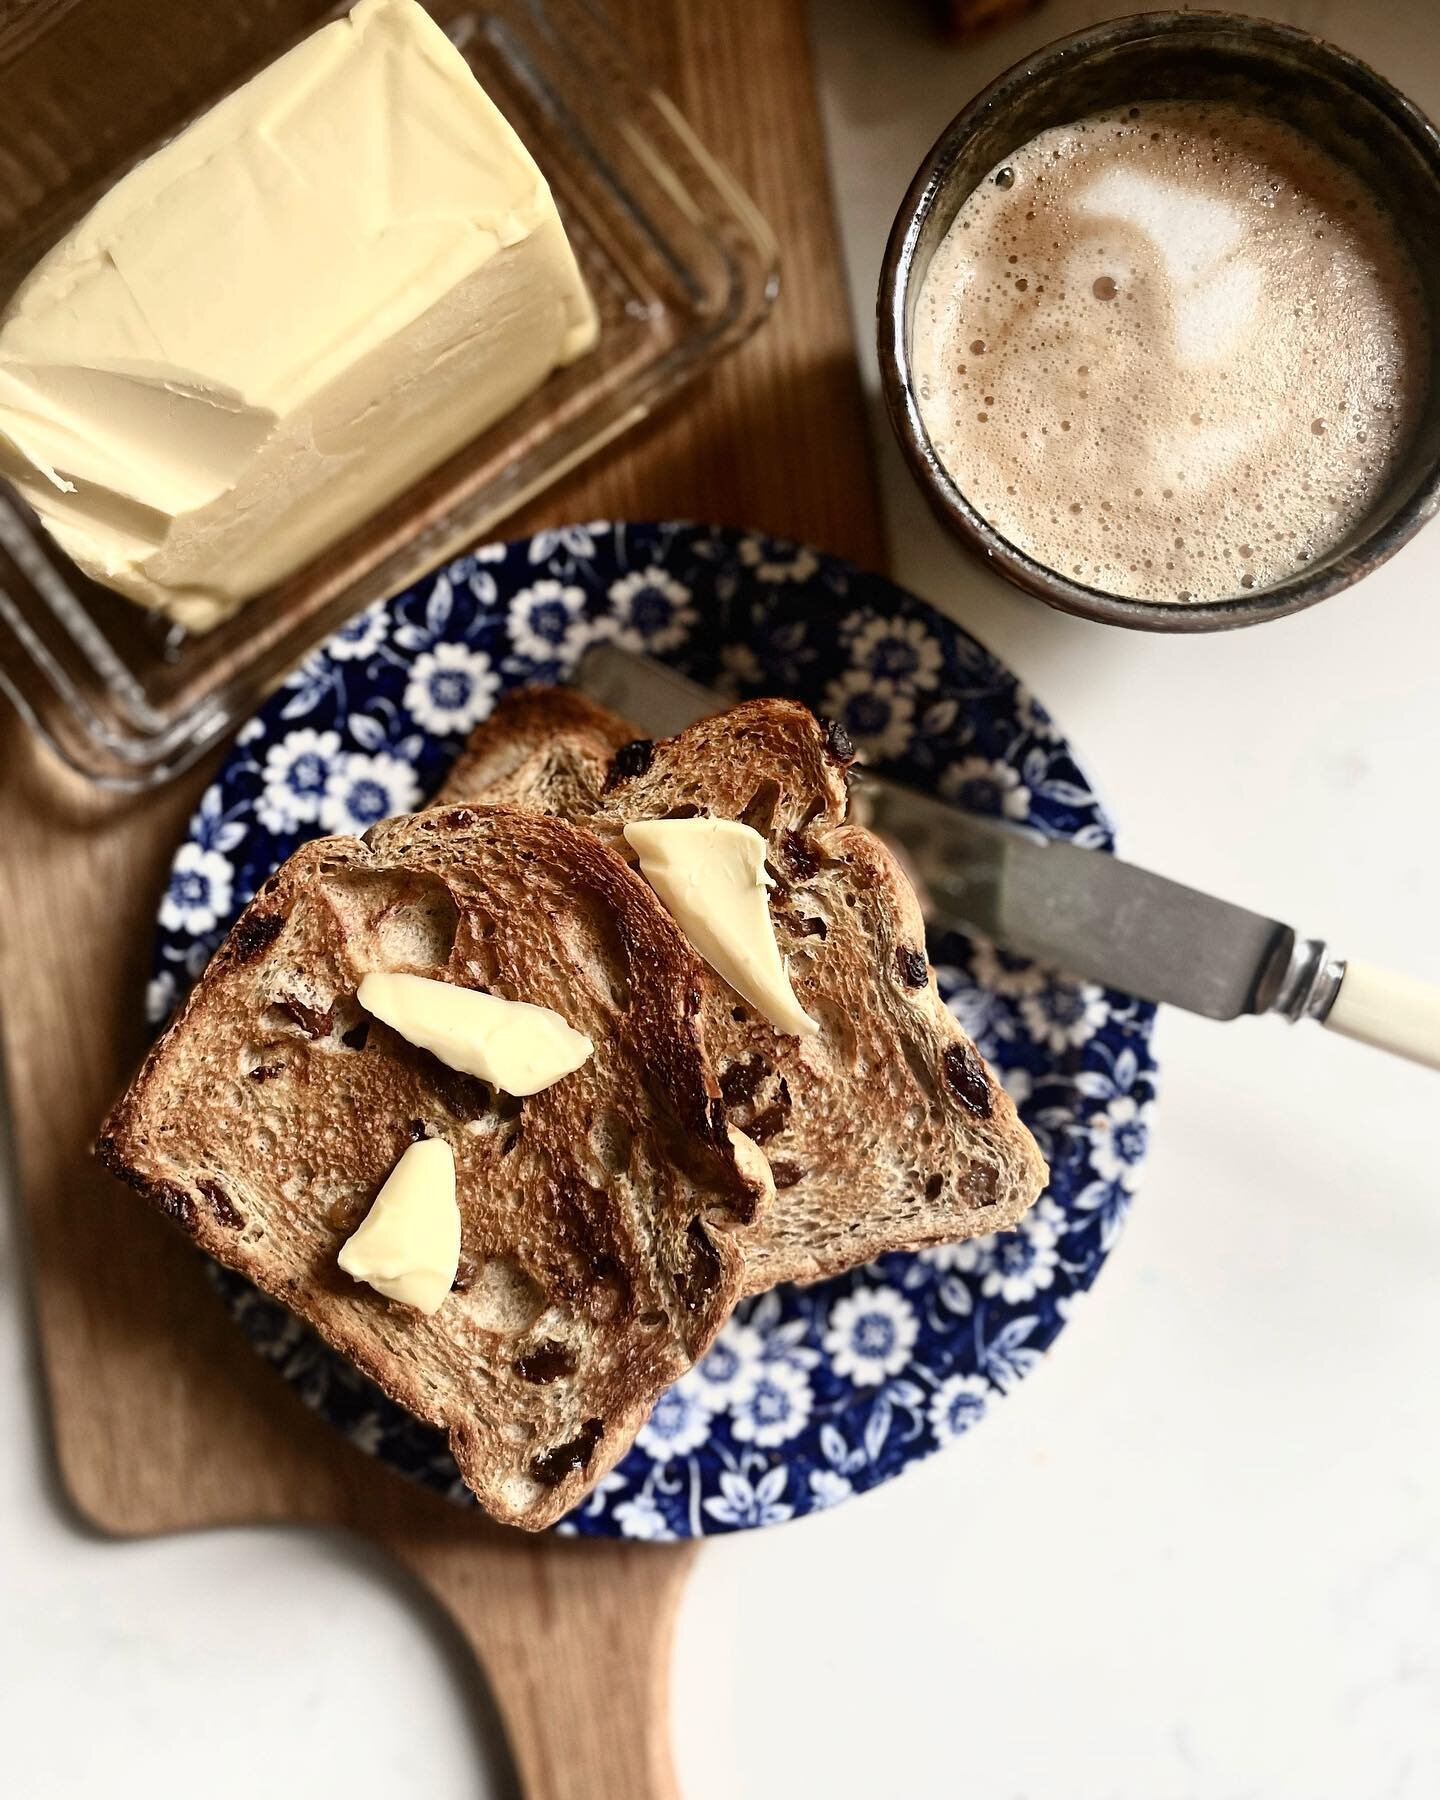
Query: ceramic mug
[1336, 100]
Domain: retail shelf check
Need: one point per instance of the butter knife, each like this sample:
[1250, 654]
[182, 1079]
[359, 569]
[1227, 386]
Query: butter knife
[1083, 911]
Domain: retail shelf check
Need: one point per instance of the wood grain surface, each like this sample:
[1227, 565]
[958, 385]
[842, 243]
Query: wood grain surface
[162, 1418]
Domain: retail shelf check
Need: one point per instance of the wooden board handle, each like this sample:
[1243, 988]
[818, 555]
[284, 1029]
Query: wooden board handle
[1391, 1012]
[574, 1639]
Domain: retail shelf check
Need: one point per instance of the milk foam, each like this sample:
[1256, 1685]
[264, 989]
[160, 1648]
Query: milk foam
[1172, 352]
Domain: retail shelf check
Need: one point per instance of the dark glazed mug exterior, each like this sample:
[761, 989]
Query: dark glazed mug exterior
[1338, 101]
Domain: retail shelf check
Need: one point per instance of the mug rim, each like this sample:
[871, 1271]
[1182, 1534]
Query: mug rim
[897, 275]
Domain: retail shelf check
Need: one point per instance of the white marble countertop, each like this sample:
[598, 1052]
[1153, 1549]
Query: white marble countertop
[1197, 1555]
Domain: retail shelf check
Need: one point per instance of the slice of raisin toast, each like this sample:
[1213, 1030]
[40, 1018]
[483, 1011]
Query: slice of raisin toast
[598, 1253]
[886, 1131]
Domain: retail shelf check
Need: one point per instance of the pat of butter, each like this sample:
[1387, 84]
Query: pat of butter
[408, 1247]
[753, 1163]
[509, 1043]
[711, 875]
[293, 310]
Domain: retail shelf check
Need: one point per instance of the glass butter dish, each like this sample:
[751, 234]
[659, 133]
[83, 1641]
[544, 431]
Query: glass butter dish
[680, 265]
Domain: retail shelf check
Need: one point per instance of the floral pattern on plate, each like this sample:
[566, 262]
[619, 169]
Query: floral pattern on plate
[810, 1394]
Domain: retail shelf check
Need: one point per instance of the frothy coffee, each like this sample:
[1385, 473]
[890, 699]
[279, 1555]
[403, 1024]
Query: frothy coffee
[1172, 352]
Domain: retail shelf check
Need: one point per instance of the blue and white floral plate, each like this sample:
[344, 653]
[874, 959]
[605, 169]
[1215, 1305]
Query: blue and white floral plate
[810, 1394]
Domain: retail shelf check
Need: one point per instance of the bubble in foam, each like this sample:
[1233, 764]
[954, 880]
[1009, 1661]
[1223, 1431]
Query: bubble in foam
[1255, 386]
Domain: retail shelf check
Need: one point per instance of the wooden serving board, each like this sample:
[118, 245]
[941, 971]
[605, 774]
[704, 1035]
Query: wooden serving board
[163, 1419]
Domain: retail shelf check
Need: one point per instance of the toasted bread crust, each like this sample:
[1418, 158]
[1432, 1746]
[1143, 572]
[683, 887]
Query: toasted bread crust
[888, 1132]
[599, 1217]
[544, 749]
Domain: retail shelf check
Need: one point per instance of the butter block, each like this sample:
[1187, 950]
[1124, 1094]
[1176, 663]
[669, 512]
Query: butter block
[300, 305]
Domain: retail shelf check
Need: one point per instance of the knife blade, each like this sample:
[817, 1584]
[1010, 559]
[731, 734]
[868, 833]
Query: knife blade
[1080, 911]
[1086, 912]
